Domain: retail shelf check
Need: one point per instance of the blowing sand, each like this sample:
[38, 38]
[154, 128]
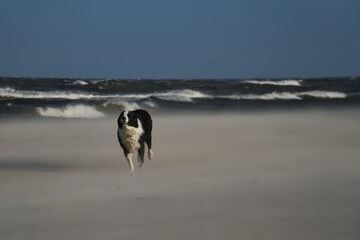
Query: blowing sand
[270, 175]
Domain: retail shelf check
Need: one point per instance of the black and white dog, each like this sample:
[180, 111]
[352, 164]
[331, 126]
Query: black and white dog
[134, 129]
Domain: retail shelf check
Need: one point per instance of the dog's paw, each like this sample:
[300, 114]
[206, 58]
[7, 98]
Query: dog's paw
[151, 154]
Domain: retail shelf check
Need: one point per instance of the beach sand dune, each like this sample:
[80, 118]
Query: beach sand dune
[266, 175]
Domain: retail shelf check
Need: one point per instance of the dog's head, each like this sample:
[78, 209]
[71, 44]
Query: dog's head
[128, 118]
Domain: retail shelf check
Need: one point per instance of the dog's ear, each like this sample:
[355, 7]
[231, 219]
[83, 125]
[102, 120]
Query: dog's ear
[133, 120]
[136, 122]
[119, 120]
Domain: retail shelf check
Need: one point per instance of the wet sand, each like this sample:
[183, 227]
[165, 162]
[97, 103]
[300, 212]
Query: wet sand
[268, 175]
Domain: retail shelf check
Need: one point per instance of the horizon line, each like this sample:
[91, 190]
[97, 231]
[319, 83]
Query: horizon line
[170, 78]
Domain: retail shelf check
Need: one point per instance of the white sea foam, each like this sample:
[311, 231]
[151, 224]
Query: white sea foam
[12, 93]
[267, 96]
[323, 94]
[286, 95]
[288, 82]
[80, 82]
[7, 92]
[185, 95]
[273, 96]
[135, 96]
[71, 111]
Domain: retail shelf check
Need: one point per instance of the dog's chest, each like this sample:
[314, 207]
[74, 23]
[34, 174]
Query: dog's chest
[130, 136]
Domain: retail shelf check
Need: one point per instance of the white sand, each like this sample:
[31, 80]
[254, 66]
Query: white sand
[270, 175]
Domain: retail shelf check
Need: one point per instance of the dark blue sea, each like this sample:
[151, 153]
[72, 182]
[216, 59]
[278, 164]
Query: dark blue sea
[92, 98]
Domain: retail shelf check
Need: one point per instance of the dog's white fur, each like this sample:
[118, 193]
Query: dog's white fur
[130, 136]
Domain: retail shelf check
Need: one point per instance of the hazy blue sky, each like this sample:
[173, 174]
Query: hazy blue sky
[179, 39]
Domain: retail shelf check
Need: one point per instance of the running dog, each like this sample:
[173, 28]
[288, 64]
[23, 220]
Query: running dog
[134, 130]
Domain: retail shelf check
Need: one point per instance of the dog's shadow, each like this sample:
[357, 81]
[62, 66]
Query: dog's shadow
[31, 166]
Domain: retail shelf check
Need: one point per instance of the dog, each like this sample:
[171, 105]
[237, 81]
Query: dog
[134, 130]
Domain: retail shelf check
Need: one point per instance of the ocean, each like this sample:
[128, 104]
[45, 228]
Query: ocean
[96, 98]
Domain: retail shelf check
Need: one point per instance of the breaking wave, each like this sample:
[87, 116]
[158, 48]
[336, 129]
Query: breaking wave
[267, 96]
[70, 111]
[323, 94]
[120, 105]
[286, 95]
[80, 82]
[185, 95]
[278, 83]
[12, 93]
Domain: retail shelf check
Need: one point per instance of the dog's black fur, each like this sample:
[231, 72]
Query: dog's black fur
[129, 119]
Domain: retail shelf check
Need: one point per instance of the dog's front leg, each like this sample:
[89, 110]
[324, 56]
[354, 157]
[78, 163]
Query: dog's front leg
[129, 159]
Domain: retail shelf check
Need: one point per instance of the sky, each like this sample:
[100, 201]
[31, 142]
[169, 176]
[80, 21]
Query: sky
[179, 39]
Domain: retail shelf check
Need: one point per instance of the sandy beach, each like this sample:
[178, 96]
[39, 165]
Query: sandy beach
[260, 175]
